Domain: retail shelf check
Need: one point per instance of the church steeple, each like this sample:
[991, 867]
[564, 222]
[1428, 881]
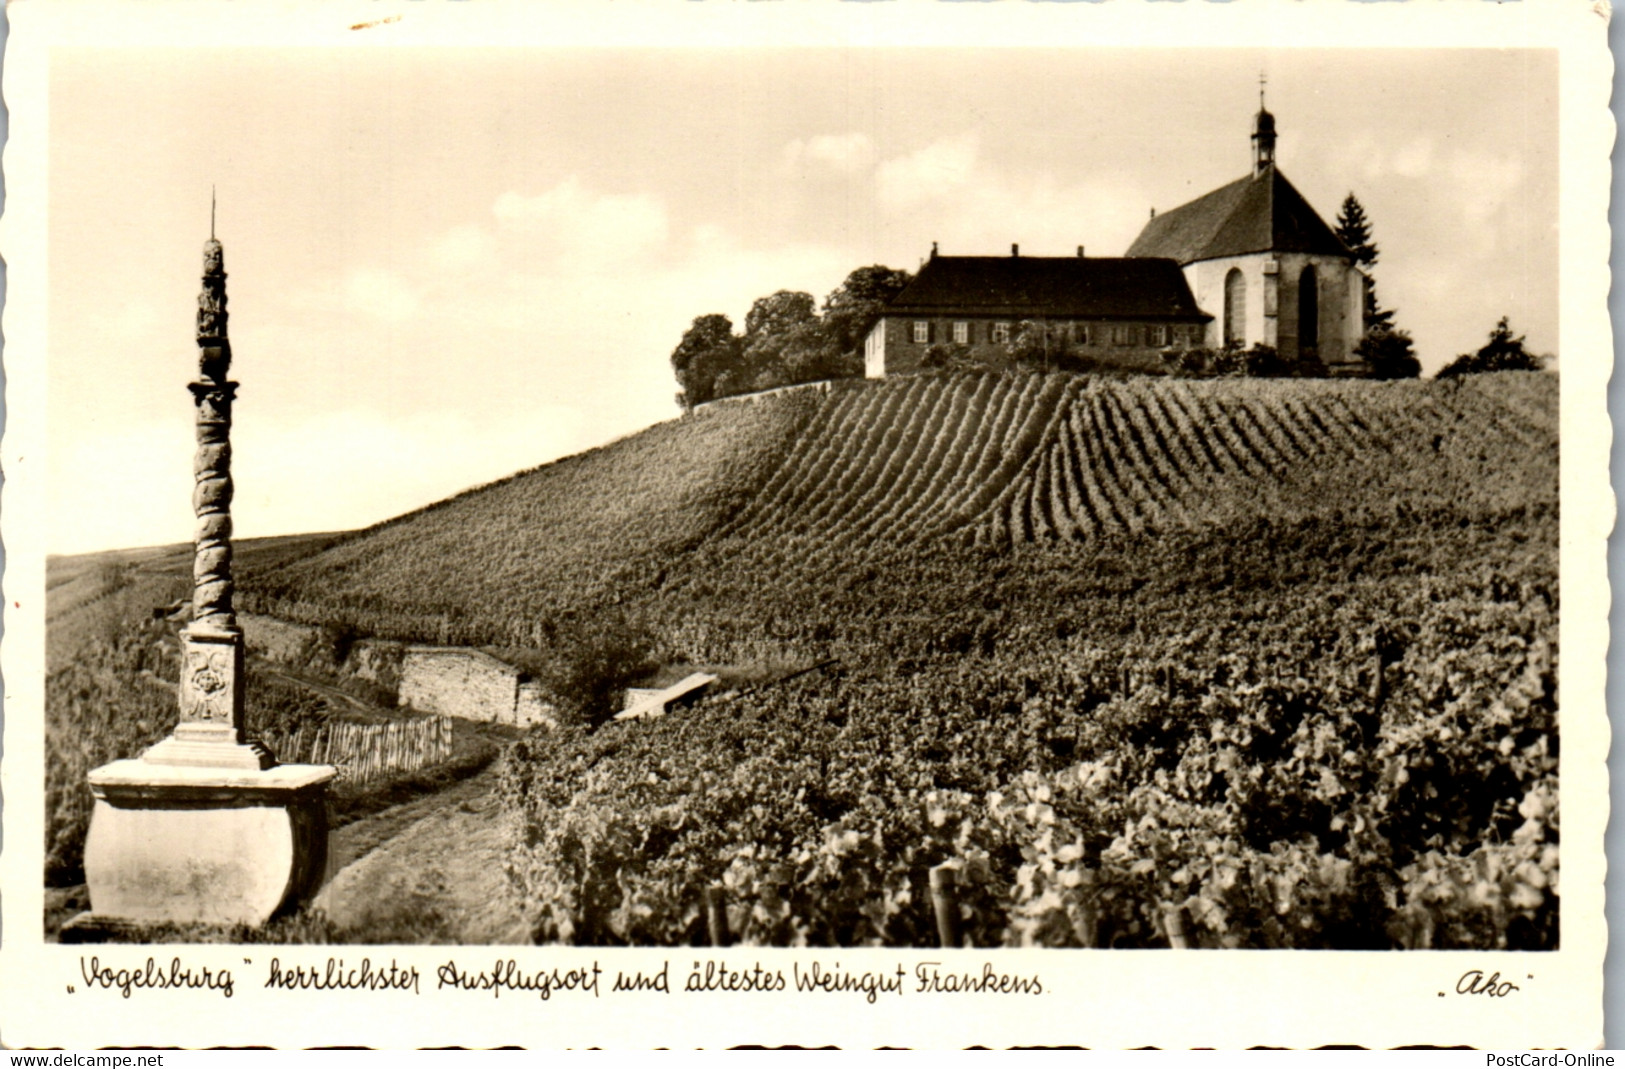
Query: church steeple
[1263, 134]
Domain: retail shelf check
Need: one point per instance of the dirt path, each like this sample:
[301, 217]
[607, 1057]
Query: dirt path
[427, 871]
[326, 690]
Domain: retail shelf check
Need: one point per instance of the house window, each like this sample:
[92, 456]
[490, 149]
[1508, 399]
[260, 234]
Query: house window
[922, 332]
[1122, 334]
[1080, 333]
[1000, 334]
[961, 333]
[1156, 335]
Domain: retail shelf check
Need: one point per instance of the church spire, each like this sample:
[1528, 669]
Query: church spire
[1263, 134]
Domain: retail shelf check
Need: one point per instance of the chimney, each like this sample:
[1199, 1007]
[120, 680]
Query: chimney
[1015, 250]
[1080, 252]
[933, 250]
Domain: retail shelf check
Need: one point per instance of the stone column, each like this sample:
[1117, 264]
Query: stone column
[212, 732]
[205, 827]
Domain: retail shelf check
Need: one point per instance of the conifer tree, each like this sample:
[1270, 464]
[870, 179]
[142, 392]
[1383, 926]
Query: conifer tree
[1354, 230]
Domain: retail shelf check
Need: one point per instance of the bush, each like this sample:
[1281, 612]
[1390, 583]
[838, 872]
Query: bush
[1260, 362]
[590, 660]
[1389, 354]
[940, 356]
[1202, 363]
[1502, 352]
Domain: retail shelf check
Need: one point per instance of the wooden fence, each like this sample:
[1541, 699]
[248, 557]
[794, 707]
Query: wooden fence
[366, 752]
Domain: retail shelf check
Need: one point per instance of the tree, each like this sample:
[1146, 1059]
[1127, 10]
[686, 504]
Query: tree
[590, 659]
[776, 316]
[1502, 352]
[709, 351]
[1389, 354]
[853, 307]
[1354, 230]
[785, 340]
[775, 328]
[1040, 342]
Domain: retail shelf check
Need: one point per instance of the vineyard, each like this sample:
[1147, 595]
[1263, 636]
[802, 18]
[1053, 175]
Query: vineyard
[1200, 744]
[1144, 662]
[990, 460]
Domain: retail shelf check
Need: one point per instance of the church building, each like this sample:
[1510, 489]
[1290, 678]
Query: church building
[1265, 264]
[1249, 263]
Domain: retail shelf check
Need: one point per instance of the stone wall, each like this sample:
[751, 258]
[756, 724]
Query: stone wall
[821, 386]
[533, 708]
[455, 681]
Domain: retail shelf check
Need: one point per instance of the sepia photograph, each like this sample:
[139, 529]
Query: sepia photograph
[1013, 503]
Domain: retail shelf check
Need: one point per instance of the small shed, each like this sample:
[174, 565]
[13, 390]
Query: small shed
[646, 703]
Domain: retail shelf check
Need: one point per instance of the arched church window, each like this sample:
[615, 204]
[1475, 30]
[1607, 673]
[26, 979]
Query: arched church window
[1308, 310]
[1235, 308]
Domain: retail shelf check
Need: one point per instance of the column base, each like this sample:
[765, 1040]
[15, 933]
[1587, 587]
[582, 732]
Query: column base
[180, 844]
[209, 753]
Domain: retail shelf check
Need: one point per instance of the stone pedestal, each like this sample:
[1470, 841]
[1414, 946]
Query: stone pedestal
[210, 733]
[211, 845]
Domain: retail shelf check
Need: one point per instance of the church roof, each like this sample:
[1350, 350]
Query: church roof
[1044, 286]
[1259, 213]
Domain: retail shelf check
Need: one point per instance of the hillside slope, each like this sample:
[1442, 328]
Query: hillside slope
[819, 485]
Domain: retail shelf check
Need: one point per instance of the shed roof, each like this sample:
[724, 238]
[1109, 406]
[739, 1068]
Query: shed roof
[1044, 286]
[1260, 213]
[648, 702]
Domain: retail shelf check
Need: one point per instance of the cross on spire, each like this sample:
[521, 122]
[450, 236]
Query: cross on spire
[1261, 80]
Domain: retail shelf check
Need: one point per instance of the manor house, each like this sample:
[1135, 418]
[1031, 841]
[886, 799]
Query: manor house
[1250, 262]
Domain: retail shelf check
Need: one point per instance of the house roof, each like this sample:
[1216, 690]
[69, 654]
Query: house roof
[1028, 286]
[1260, 213]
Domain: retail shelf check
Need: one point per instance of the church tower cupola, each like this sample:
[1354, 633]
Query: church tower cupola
[1263, 134]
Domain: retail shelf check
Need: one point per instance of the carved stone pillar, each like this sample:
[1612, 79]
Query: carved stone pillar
[212, 732]
[205, 826]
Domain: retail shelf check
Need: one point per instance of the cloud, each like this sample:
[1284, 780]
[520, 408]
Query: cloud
[463, 248]
[949, 191]
[596, 231]
[1488, 183]
[379, 294]
[937, 170]
[848, 153]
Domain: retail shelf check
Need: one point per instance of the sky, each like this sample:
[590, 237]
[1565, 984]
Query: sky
[449, 265]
